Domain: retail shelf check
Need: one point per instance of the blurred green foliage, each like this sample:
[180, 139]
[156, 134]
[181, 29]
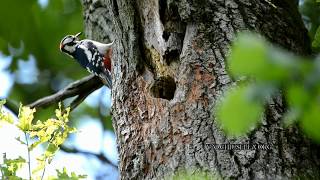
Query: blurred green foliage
[266, 70]
[240, 110]
[30, 30]
[263, 70]
[310, 11]
[316, 40]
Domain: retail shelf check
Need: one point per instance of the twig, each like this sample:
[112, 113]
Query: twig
[100, 156]
[13, 107]
[80, 98]
[29, 163]
[81, 88]
[44, 171]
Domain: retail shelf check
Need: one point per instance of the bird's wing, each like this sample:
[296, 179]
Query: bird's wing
[96, 64]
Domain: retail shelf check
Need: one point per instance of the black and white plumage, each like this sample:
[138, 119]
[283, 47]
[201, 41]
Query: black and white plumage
[92, 55]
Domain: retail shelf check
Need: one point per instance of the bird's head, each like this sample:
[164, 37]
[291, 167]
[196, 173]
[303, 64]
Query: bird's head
[68, 43]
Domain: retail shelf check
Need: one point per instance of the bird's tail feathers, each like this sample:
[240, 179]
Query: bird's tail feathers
[106, 79]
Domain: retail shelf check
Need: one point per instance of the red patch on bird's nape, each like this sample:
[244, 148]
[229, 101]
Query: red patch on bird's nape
[107, 59]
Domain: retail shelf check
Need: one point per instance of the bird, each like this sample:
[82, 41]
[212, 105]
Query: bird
[94, 56]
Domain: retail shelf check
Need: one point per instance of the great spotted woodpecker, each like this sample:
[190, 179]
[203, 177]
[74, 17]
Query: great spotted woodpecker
[92, 55]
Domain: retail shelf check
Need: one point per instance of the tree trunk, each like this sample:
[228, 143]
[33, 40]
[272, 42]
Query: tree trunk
[168, 73]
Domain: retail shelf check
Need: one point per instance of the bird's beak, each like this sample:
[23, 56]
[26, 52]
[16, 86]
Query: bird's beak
[78, 34]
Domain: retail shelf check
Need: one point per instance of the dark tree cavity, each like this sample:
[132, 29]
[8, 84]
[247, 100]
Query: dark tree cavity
[168, 73]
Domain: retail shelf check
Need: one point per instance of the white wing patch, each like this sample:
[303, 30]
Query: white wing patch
[102, 48]
[88, 53]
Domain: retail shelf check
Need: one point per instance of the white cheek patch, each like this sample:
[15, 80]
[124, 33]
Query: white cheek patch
[70, 48]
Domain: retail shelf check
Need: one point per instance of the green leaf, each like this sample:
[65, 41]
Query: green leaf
[51, 150]
[64, 175]
[298, 96]
[252, 56]
[25, 118]
[248, 55]
[240, 111]
[41, 164]
[52, 131]
[274, 70]
[10, 167]
[34, 145]
[316, 40]
[20, 141]
[310, 122]
[5, 116]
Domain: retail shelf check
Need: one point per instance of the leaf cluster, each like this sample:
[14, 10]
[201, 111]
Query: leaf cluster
[50, 133]
[263, 72]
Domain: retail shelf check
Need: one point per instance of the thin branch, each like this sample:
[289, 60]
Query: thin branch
[80, 98]
[100, 156]
[44, 171]
[81, 88]
[29, 163]
[13, 107]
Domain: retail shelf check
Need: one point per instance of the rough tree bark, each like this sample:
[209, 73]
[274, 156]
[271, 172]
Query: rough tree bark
[168, 73]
